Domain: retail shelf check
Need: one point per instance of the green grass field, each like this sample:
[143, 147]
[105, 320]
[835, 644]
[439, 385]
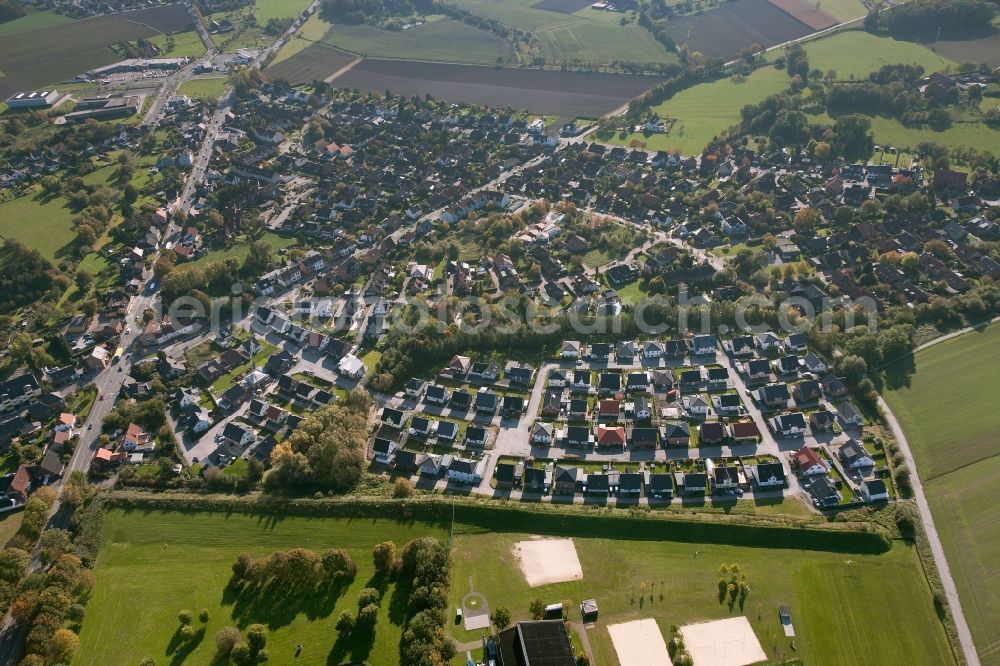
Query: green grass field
[240, 249]
[153, 564]
[843, 605]
[46, 226]
[208, 88]
[708, 109]
[185, 44]
[311, 31]
[951, 423]
[705, 110]
[442, 40]
[857, 53]
[844, 10]
[265, 10]
[32, 21]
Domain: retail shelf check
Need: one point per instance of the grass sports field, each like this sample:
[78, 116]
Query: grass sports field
[948, 413]
[705, 110]
[843, 604]
[442, 40]
[153, 564]
[208, 88]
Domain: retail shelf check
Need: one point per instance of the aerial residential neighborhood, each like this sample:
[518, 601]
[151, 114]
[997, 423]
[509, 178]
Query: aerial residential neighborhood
[553, 333]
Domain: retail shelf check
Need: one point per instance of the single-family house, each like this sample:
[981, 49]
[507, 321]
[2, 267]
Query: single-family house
[465, 471]
[711, 432]
[383, 450]
[541, 433]
[854, 455]
[849, 415]
[808, 462]
[676, 434]
[874, 490]
[789, 425]
[768, 475]
[476, 436]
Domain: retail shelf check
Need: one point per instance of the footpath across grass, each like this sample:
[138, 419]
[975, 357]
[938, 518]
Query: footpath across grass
[947, 409]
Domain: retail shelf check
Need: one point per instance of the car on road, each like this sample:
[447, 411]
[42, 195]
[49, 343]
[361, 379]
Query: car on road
[90, 426]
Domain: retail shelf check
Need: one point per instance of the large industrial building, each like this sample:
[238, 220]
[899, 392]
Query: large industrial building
[137, 65]
[35, 99]
[111, 106]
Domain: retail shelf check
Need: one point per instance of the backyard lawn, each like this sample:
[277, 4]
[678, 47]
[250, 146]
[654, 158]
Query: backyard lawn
[152, 564]
[948, 413]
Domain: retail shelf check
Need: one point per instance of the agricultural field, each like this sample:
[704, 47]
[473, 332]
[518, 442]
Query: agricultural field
[186, 563]
[51, 54]
[317, 61]
[311, 31]
[983, 49]
[441, 40]
[594, 41]
[565, 94]
[44, 224]
[843, 603]
[207, 88]
[844, 10]
[947, 412]
[724, 31]
[33, 21]
[856, 53]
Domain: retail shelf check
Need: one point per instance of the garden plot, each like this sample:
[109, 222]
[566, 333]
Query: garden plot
[547, 561]
[729, 642]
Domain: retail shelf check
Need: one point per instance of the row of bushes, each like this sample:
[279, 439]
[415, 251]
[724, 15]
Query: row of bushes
[487, 514]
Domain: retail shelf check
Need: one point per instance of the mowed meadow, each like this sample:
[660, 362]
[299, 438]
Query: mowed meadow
[154, 563]
[949, 413]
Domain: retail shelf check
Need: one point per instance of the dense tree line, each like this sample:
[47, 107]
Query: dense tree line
[933, 18]
[10, 10]
[298, 567]
[425, 568]
[25, 276]
[328, 448]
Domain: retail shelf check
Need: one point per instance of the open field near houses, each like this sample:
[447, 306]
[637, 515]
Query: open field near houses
[317, 61]
[204, 88]
[43, 224]
[311, 31]
[33, 21]
[948, 413]
[550, 92]
[708, 109]
[843, 603]
[60, 51]
[152, 564]
[724, 31]
[441, 40]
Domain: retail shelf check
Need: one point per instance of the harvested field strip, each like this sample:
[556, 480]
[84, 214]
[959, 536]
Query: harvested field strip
[811, 15]
[443, 40]
[562, 6]
[317, 61]
[569, 94]
[723, 32]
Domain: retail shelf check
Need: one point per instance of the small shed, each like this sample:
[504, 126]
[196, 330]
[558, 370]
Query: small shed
[588, 609]
[785, 614]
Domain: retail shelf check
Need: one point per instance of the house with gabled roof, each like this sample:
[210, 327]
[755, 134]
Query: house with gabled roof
[808, 462]
[536, 480]
[789, 425]
[768, 475]
[542, 433]
[854, 455]
[849, 415]
[676, 434]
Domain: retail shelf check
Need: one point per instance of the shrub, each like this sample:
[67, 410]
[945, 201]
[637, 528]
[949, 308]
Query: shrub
[241, 653]
[345, 623]
[256, 637]
[402, 489]
[369, 597]
[226, 639]
[184, 616]
[368, 616]
[203, 616]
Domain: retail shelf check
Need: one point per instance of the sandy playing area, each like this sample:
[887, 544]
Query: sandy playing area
[639, 643]
[546, 561]
[729, 642]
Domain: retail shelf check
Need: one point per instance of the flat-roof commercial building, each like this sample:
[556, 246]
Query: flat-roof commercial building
[34, 99]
